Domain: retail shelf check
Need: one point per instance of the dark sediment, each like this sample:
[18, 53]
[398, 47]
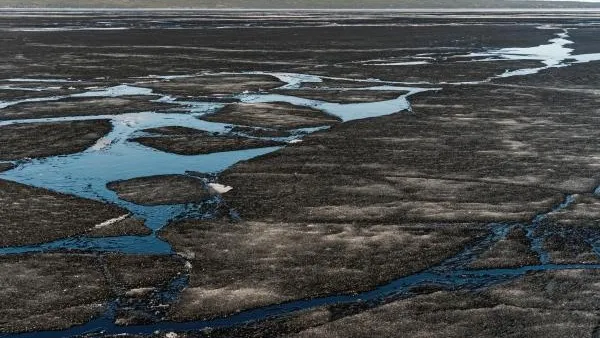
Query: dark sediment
[139, 281]
[4, 166]
[576, 77]
[34, 215]
[15, 94]
[271, 115]
[237, 266]
[586, 40]
[436, 72]
[549, 304]
[133, 271]
[50, 291]
[188, 141]
[512, 251]
[467, 154]
[208, 85]
[162, 189]
[584, 212]
[31, 140]
[569, 247]
[55, 291]
[83, 107]
[259, 132]
[350, 208]
[327, 84]
[119, 55]
[568, 231]
[344, 96]
[409, 167]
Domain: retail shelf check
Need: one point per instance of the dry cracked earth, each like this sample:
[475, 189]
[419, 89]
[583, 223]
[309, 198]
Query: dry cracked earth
[239, 174]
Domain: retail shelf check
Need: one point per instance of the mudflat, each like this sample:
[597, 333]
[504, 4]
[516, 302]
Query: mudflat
[344, 96]
[188, 141]
[157, 190]
[56, 290]
[57, 215]
[249, 264]
[6, 166]
[271, 115]
[264, 174]
[213, 85]
[31, 140]
[80, 106]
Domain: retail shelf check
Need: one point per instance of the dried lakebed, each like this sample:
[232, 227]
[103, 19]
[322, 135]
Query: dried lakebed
[259, 208]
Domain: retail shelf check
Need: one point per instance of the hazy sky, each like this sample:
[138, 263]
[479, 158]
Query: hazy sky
[354, 4]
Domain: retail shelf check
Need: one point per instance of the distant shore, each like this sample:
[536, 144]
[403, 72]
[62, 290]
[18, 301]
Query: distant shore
[350, 10]
[412, 5]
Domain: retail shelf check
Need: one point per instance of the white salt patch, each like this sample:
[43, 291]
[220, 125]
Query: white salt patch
[111, 221]
[102, 143]
[220, 188]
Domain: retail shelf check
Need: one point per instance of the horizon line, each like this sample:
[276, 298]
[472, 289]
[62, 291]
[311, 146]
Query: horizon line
[260, 9]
